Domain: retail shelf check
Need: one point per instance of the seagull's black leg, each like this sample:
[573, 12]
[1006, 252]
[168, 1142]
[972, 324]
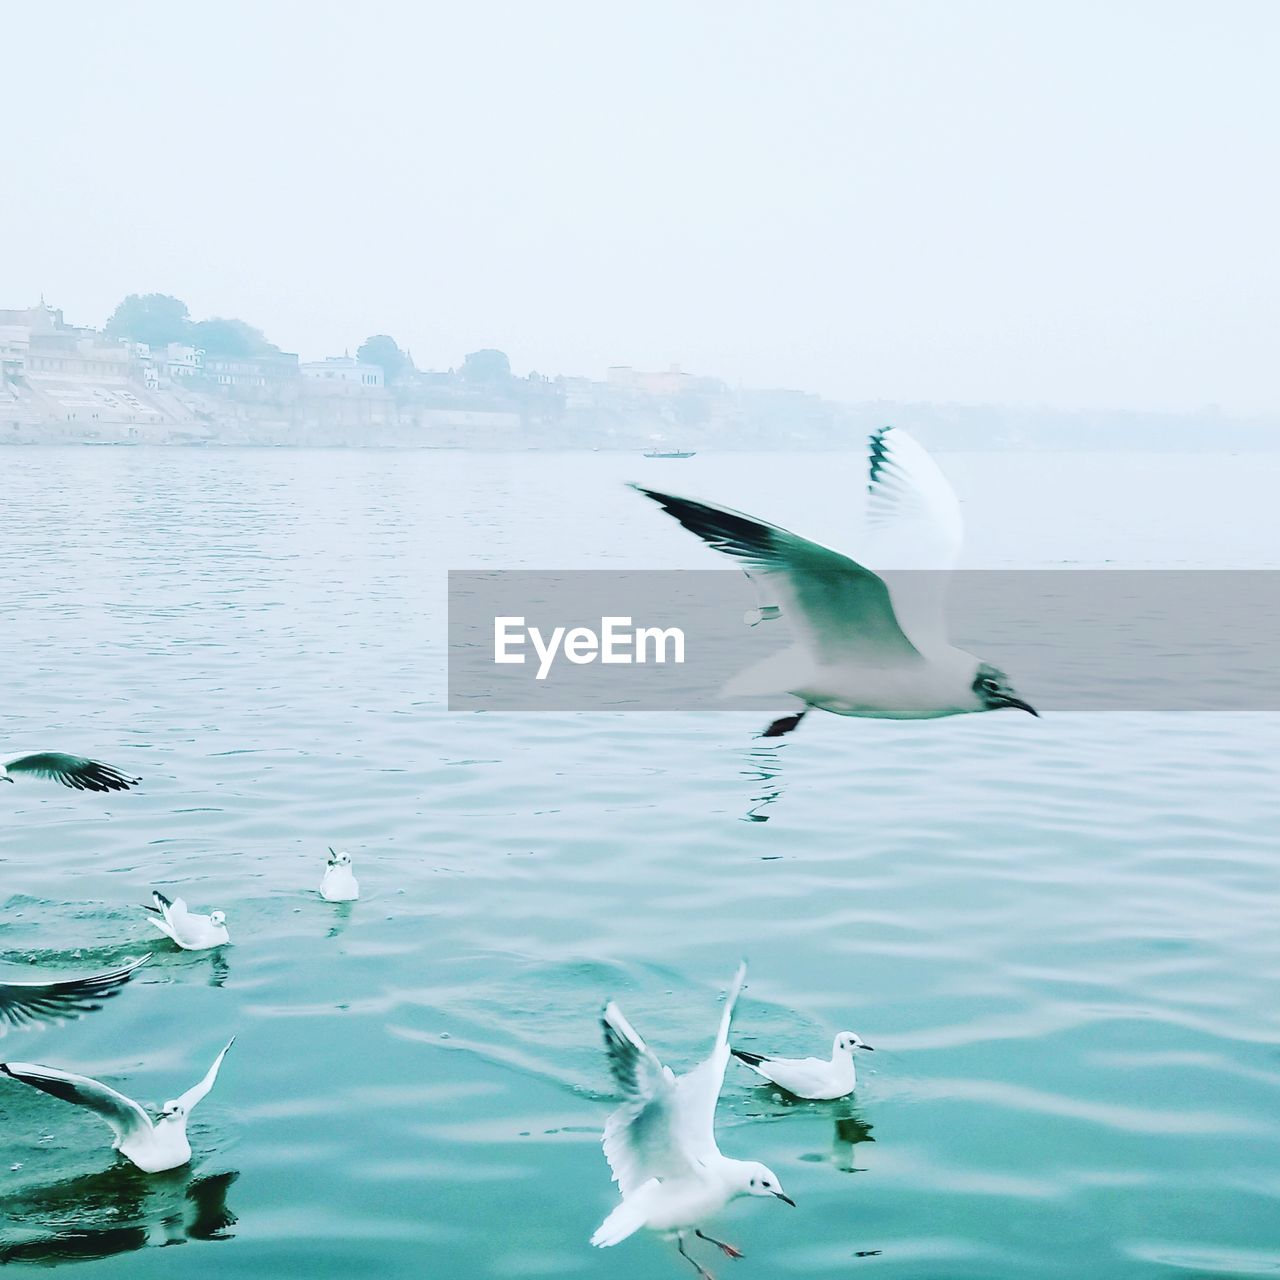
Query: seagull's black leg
[727, 1249]
[785, 724]
[703, 1273]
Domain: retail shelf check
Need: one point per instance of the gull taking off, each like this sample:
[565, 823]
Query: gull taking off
[190, 931]
[866, 644]
[661, 1143]
[339, 883]
[812, 1078]
[27, 1004]
[153, 1146]
[71, 771]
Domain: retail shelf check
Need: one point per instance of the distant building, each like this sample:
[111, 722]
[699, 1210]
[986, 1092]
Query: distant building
[183, 361]
[671, 382]
[68, 353]
[15, 341]
[257, 377]
[344, 371]
[41, 319]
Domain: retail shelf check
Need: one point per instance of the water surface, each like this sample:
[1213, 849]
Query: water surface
[1060, 934]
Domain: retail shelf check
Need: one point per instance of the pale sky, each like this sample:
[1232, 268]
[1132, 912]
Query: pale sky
[1054, 202]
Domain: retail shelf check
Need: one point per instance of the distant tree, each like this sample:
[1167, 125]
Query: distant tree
[385, 352]
[489, 368]
[154, 318]
[225, 337]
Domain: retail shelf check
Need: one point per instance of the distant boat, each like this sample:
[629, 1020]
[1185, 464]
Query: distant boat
[669, 453]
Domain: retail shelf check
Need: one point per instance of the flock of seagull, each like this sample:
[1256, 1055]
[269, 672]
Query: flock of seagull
[867, 642]
[154, 1146]
[868, 639]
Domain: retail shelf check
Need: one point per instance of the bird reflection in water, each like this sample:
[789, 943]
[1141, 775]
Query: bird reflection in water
[763, 769]
[850, 1129]
[342, 912]
[191, 965]
[113, 1211]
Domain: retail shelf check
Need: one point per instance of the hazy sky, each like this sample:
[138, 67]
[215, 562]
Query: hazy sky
[1065, 203]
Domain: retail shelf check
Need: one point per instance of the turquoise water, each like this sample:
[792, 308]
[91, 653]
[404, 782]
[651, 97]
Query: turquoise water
[1060, 935]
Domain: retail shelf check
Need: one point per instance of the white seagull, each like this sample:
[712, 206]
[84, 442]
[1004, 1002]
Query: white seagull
[154, 1146]
[866, 644]
[812, 1078]
[339, 883]
[71, 771]
[27, 1004]
[661, 1143]
[192, 932]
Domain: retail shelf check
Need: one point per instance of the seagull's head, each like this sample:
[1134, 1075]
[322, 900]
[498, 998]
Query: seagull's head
[172, 1111]
[342, 859]
[760, 1180]
[848, 1041]
[992, 689]
[218, 918]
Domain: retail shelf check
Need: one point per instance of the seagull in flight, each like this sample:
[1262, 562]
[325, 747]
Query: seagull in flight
[28, 1004]
[661, 1143]
[71, 771]
[154, 1146]
[812, 1078]
[191, 931]
[867, 643]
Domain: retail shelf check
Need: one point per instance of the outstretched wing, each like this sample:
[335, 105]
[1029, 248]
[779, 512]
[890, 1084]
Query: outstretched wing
[640, 1138]
[914, 531]
[193, 1095]
[24, 1004]
[126, 1119]
[841, 611]
[72, 771]
[698, 1091]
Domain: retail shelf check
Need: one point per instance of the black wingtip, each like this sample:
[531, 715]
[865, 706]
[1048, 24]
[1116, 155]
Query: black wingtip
[4, 1070]
[656, 494]
[877, 454]
[751, 1059]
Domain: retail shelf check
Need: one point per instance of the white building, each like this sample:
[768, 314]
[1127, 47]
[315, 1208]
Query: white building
[342, 370]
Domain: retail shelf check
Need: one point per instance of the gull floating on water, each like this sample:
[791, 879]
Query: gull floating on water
[26, 1004]
[867, 644]
[812, 1078]
[192, 932]
[339, 883]
[71, 771]
[154, 1146]
[661, 1143]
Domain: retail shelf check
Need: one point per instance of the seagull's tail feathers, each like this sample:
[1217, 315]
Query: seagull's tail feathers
[752, 1060]
[624, 1221]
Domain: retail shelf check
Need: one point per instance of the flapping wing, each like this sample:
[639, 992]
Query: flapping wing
[914, 531]
[72, 771]
[841, 611]
[174, 911]
[640, 1137]
[125, 1117]
[698, 1091]
[24, 1004]
[197, 1091]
